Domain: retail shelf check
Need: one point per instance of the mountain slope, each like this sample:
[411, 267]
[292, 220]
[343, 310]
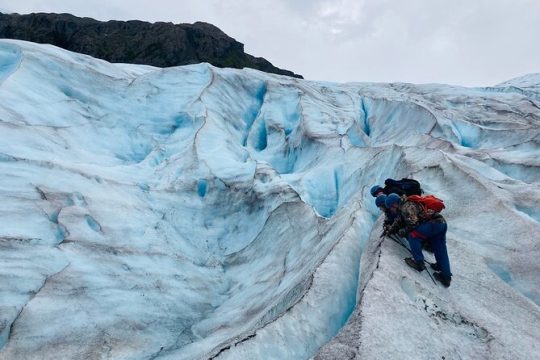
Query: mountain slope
[135, 42]
[196, 212]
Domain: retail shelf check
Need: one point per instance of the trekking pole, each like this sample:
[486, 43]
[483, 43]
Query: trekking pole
[432, 279]
[397, 240]
[401, 243]
[392, 237]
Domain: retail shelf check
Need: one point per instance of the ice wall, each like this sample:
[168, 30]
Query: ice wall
[196, 212]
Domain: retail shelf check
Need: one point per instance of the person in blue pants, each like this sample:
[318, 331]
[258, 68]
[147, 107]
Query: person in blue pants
[434, 231]
[420, 226]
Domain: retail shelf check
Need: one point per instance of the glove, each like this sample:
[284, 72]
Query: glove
[402, 232]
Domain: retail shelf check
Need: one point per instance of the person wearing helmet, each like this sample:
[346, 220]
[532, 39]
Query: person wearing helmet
[388, 216]
[380, 202]
[420, 226]
[376, 190]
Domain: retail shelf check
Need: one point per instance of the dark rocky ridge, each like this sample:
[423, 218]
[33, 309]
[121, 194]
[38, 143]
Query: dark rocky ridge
[137, 42]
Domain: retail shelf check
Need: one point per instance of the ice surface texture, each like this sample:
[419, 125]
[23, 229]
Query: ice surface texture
[195, 212]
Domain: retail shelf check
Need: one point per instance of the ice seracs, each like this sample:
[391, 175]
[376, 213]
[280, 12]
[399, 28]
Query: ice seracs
[197, 212]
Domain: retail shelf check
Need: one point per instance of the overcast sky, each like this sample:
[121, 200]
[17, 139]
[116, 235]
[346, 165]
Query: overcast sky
[463, 42]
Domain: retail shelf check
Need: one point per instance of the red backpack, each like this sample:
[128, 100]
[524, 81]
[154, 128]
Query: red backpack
[429, 202]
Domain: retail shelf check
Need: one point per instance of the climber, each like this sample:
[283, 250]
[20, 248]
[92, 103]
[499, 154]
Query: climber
[380, 202]
[421, 224]
[389, 217]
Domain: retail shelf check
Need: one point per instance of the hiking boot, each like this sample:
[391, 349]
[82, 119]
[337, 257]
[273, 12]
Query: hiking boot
[419, 266]
[435, 266]
[443, 279]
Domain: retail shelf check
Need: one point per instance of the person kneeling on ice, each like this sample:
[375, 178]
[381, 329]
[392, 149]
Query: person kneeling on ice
[421, 224]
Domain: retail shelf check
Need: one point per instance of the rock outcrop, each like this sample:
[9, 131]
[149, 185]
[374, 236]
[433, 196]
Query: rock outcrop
[136, 42]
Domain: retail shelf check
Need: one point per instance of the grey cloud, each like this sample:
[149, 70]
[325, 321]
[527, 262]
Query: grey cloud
[460, 42]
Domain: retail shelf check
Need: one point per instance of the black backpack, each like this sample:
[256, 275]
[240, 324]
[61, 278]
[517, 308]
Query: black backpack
[407, 186]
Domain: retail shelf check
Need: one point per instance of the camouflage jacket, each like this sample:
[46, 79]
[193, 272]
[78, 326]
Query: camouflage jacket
[410, 215]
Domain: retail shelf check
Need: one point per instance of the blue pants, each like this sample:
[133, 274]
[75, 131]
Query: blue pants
[435, 232]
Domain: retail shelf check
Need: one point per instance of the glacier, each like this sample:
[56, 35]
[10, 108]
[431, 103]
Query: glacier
[194, 213]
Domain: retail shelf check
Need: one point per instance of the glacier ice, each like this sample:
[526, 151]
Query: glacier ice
[196, 212]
